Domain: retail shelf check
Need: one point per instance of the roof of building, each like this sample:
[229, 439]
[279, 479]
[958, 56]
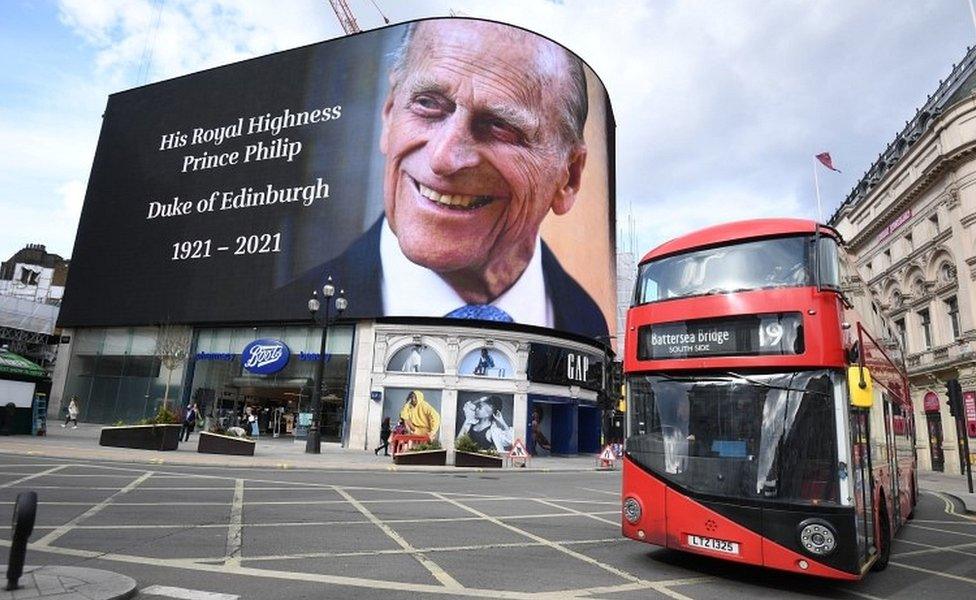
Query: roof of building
[32, 254]
[959, 84]
[733, 232]
[14, 364]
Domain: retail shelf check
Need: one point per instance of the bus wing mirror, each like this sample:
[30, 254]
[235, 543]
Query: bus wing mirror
[860, 386]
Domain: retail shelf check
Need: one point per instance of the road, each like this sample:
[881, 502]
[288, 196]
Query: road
[283, 534]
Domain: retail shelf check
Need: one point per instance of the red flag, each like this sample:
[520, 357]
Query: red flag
[824, 158]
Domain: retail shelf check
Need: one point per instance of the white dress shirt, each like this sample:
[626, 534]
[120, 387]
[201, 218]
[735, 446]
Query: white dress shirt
[410, 290]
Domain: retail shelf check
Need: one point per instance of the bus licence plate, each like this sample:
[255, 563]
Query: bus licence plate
[712, 544]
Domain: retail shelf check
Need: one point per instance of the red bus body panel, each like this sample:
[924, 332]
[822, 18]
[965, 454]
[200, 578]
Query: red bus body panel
[830, 331]
[668, 517]
[822, 317]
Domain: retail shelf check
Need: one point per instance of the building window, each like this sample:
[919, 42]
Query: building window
[868, 269]
[926, 322]
[887, 255]
[909, 245]
[934, 220]
[900, 326]
[952, 308]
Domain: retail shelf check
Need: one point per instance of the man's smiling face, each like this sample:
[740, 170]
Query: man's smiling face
[475, 154]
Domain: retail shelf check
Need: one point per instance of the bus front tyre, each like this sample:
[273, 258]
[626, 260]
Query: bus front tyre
[884, 536]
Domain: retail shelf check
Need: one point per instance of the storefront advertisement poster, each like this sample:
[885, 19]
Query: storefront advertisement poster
[486, 419]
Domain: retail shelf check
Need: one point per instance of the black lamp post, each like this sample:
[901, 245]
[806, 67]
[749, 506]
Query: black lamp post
[313, 445]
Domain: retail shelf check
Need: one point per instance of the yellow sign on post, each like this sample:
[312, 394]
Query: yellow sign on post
[861, 387]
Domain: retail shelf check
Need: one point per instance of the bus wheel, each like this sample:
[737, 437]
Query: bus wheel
[884, 536]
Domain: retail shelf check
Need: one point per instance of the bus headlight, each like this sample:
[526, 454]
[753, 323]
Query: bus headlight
[817, 537]
[632, 511]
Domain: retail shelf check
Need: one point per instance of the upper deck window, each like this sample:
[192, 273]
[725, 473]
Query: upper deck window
[761, 264]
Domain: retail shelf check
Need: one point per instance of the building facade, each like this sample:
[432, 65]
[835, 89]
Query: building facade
[369, 369]
[909, 223]
[31, 287]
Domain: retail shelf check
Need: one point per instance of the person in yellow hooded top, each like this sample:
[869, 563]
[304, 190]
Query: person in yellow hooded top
[421, 418]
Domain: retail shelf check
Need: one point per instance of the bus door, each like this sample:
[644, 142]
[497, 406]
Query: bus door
[895, 479]
[862, 482]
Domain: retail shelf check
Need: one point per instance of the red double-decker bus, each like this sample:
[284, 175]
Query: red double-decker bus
[766, 423]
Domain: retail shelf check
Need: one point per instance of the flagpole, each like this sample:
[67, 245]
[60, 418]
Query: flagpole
[972, 12]
[816, 185]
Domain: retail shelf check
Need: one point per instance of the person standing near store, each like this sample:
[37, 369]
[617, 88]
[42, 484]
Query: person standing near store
[420, 417]
[72, 413]
[190, 416]
[538, 438]
[384, 438]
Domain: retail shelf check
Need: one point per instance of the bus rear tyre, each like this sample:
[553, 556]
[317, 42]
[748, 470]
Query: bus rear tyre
[884, 537]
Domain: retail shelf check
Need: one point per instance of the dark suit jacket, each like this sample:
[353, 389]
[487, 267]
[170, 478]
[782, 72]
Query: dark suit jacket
[359, 272]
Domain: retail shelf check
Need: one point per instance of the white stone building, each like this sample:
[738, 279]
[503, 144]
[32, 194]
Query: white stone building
[910, 224]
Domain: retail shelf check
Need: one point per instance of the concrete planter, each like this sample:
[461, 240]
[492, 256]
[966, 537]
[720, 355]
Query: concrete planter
[142, 437]
[476, 459]
[423, 457]
[215, 443]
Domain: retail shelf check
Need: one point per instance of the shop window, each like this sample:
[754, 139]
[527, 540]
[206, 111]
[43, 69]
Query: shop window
[487, 419]
[424, 417]
[416, 358]
[485, 362]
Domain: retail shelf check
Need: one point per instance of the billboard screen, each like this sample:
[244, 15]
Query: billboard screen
[442, 168]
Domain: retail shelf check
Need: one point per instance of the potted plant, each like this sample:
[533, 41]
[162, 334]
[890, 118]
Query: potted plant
[467, 453]
[219, 441]
[161, 432]
[427, 453]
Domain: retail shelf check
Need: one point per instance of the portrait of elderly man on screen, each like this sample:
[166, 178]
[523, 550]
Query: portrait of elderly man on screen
[482, 134]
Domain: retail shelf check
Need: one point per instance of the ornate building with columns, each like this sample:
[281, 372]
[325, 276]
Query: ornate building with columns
[910, 224]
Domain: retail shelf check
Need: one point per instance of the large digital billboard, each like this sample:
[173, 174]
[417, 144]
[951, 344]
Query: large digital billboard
[442, 168]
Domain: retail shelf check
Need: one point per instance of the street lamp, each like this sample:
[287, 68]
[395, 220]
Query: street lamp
[313, 444]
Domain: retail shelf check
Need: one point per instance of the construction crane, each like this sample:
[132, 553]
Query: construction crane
[347, 19]
[345, 16]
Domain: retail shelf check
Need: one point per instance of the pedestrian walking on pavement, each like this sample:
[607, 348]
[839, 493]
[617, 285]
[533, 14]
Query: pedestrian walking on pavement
[72, 413]
[384, 437]
[189, 421]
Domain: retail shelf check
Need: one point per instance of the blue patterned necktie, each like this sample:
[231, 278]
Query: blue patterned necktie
[483, 312]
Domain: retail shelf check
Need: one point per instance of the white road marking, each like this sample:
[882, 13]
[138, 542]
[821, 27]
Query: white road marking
[932, 572]
[302, 523]
[185, 594]
[34, 476]
[573, 511]
[959, 533]
[376, 584]
[930, 549]
[60, 531]
[587, 559]
[395, 551]
[435, 569]
[235, 531]
[617, 494]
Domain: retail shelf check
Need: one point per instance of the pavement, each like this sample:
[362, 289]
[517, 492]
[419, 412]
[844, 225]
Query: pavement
[205, 533]
[71, 583]
[956, 486]
[280, 453]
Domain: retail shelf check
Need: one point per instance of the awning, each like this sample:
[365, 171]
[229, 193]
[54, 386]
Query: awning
[14, 364]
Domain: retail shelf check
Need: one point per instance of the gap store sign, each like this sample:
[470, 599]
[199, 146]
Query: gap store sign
[265, 356]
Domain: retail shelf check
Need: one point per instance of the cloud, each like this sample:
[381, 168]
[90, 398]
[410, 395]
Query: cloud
[720, 107]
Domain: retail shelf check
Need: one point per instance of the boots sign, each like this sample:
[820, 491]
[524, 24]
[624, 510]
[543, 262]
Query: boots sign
[562, 366]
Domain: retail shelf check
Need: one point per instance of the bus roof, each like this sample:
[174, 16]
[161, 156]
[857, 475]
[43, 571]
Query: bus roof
[734, 232]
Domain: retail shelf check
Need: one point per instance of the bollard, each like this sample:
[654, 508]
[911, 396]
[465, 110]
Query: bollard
[23, 524]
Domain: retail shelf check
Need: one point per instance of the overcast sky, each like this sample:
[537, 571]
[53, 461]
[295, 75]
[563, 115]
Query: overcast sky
[720, 106]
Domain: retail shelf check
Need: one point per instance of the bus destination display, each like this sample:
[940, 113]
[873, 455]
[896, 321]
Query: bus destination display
[778, 334]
